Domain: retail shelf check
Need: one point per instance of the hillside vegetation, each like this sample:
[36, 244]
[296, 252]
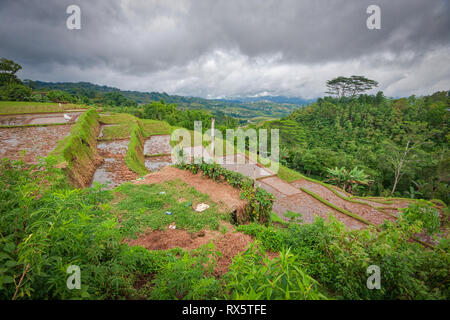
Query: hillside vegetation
[243, 109]
[400, 144]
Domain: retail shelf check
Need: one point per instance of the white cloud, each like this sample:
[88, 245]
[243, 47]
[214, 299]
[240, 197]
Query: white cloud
[231, 48]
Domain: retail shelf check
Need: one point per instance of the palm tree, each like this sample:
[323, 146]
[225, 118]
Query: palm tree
[350, 181]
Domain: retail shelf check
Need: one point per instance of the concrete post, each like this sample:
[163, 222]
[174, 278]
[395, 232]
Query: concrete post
[212, 138]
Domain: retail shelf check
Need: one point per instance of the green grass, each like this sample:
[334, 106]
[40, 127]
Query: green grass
[20, 107]
[125, 126]
[288, 175]
[116, 132]
[155, 127]
[143, 207]
[134, 159]
[274, 218]
[116, 118]
[78, 150]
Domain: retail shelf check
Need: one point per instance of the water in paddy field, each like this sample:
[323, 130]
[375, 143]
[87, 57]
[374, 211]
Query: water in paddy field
[113, 170]
[35, 141]
[156, 163]
[41, 118]
[117, 147]
[157, 145]
[104, 176]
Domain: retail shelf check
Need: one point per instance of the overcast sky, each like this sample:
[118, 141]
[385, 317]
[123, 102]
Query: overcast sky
[213, 48]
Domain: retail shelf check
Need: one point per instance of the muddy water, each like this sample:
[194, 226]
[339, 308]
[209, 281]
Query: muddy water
[113, 171]
[156, 163]
[157, 145]
[41, 118]
[104, 175]
[117, 147]
[35, 141]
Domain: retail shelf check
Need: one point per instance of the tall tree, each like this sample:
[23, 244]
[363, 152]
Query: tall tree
[403, 156]
[8, 70]
[344, 86]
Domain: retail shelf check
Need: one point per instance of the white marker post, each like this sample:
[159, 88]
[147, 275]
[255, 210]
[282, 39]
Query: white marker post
[212, 137]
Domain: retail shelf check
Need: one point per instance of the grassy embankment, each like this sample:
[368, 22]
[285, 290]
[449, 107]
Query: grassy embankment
[22, 107]
[77, 153]
[126, 126]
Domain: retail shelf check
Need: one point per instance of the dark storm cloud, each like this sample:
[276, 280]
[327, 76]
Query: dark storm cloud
[214, 48]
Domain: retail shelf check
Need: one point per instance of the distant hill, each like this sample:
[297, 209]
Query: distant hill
[274, 99]
[253, 109]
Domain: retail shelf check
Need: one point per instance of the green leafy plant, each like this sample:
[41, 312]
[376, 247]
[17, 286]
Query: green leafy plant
[254, 276]
[424, 214]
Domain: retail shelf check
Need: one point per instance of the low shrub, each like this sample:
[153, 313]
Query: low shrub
[424, 214]
[253, 276]
[189, 277]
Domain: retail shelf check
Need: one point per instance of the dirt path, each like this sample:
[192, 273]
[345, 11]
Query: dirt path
[364, 211]
[222, 193]
[36, 141]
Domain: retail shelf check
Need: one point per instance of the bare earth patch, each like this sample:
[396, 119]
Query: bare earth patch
[229, 244]
[221, 193]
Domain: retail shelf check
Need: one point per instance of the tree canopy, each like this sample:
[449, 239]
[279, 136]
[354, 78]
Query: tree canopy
[352, 86]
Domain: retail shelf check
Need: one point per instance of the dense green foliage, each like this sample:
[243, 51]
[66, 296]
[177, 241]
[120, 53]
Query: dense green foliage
[47, 227]
[339, 259]
[253, 276]
[11, 88]
[420, 211]
[400, 143]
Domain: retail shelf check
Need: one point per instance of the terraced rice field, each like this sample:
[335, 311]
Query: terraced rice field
[38, 118]
[30, 143]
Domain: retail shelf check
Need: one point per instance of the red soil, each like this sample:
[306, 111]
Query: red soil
[228, 244]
